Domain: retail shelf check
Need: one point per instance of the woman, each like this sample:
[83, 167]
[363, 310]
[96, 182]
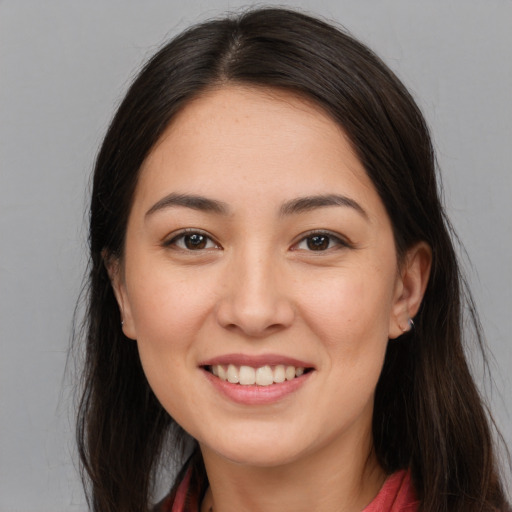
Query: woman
[272, 273]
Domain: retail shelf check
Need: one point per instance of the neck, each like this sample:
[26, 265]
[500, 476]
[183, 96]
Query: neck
[330, 480]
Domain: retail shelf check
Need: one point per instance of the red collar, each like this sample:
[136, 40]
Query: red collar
[396, 495]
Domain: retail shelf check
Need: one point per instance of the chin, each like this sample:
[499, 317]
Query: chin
[257, 450]
[261, 458]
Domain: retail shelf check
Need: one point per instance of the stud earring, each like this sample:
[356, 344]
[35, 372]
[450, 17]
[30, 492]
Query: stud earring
[410, 326]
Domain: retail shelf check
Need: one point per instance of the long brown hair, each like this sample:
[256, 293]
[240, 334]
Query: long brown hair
[428, 415]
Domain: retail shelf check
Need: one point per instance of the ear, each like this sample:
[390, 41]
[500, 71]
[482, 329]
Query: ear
[115, 273]
[411, 285]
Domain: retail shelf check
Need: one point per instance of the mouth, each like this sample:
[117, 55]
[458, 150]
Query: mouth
[257, 380]
[266, 375]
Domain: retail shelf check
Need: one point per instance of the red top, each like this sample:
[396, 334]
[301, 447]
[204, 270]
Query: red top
[396, 495]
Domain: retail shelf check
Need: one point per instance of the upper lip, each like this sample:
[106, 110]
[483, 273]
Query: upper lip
[256, 361]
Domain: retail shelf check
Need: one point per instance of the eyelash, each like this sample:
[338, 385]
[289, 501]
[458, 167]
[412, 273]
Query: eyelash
[181, 236]
[332, 239]
[208, 240]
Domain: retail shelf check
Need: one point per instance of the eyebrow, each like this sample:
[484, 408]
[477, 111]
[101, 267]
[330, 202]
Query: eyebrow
[295, 206]
[305, 204]
[194, 202]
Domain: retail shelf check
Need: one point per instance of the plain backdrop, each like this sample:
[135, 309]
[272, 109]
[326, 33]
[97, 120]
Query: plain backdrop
[63, 68]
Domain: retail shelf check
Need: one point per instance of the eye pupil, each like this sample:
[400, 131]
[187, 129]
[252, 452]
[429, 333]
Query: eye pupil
[195, 241]
[318, 242]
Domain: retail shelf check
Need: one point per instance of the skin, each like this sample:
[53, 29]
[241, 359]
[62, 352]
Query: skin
[257, 287]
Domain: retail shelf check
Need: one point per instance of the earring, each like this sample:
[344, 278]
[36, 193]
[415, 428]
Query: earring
[410, 326]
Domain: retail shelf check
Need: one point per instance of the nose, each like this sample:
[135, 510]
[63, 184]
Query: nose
[255, 298]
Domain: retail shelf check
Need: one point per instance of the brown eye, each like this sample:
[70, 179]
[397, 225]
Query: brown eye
[195, 241]
[321, 241]
[192, 241]
[318, 242]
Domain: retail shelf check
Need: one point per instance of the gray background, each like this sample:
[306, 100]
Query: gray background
[63, 67]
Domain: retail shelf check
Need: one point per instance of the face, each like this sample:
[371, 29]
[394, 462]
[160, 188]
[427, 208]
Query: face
[260, 278]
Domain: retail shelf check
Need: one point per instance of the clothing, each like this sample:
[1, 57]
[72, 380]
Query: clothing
[396, 495]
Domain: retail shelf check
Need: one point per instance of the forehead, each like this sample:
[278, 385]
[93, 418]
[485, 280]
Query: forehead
[269, 141]
[246, 117]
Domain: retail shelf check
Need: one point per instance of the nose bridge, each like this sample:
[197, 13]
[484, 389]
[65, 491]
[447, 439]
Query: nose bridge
[255, 299]
[259, 289]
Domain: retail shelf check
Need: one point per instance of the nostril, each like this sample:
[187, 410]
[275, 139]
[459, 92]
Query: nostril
[255, 310]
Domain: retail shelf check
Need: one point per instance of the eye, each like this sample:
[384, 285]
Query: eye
[191, 240]
[320, 241]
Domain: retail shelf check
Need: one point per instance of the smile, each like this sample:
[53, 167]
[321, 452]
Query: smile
[260, 379]
[261, 376]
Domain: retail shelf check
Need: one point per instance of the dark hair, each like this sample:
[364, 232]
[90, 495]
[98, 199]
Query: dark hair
[428, 414]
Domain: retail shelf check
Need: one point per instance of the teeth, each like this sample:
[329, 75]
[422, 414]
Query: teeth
[247, 375]
[262, 376]
[290, 372]
[232, 374]
[222, 374]
[279, 373]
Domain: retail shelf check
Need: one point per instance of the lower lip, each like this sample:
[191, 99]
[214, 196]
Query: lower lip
[257, 395]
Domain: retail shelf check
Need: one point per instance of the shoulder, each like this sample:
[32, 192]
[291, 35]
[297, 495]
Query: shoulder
[183, 498]
[396, 495]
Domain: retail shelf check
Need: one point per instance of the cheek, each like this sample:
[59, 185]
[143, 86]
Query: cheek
[168, 308]
[349, 314]
[168, 311]
[350, 301]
